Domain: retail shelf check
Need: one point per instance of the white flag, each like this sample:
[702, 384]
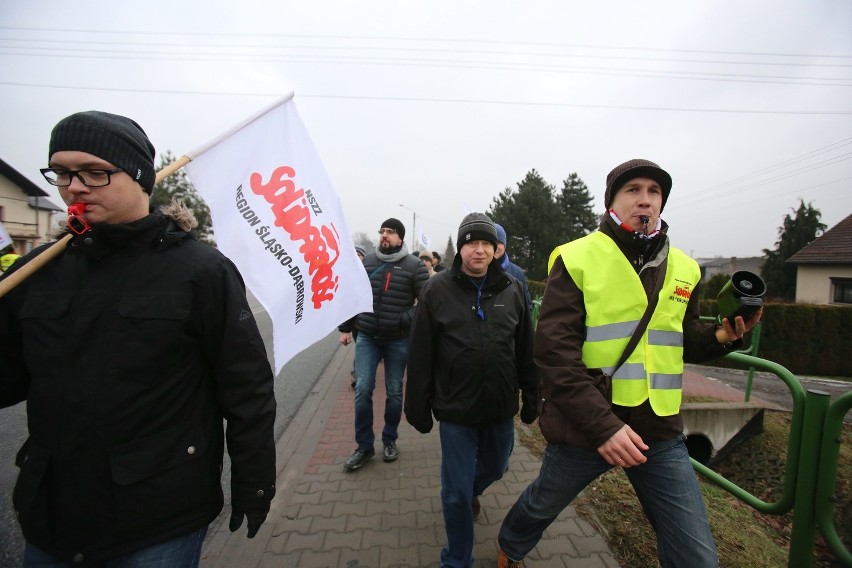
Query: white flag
[5, 239]
[277, 217]
[424, 239]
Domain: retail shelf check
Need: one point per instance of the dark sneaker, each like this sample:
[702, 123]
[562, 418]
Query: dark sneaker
[391, 452]
[358, 459]
[476, 508]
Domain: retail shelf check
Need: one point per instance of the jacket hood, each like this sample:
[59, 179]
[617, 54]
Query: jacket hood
[182, 216]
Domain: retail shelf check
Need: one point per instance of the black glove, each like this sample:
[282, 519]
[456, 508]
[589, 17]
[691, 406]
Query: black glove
[422, 422]
[529, 412]
[253, 506]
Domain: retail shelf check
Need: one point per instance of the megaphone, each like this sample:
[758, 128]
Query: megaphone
[740, 296]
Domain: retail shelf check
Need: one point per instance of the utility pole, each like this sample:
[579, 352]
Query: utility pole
[413, 224]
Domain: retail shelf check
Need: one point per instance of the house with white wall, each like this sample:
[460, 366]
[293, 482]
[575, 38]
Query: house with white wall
[824, 267]
[25, 210]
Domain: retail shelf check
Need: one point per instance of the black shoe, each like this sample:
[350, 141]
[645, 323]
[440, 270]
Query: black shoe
[358, 459]
[391, 452]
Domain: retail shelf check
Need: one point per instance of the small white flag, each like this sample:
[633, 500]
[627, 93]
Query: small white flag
[277, 217]
[5, 239]
[424, 239]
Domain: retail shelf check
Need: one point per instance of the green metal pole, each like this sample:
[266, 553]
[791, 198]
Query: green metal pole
[827, 482]
[755, 343]
[804, 515]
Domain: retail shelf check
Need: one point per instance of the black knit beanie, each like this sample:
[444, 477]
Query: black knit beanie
[116, 139]
[396, 226]
[476, 227]
[631, 169]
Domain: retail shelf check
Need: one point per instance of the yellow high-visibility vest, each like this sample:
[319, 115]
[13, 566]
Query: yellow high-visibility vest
[615, 301]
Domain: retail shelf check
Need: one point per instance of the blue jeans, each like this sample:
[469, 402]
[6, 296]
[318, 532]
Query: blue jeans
[181, 552]
[368, 352]
[471, 460]
[665, 484]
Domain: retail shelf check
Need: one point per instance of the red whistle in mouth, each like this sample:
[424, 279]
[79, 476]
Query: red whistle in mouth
[75, 220]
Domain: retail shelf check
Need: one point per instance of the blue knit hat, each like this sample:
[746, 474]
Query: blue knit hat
[501, 233]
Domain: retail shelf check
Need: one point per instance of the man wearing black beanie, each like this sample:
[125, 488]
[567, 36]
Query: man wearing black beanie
[470, 355]
[396, 278]
[618, 320]
[130, 349]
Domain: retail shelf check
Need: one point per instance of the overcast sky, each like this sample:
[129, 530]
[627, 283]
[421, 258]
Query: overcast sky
[440, 105]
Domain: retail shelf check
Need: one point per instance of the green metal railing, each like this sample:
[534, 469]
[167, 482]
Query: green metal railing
[811, 469]
[752, 350]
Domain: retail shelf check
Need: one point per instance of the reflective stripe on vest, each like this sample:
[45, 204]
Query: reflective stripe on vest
[614, 303]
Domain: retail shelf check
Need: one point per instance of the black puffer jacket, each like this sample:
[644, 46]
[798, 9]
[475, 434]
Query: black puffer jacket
[130, 348]
[466, 370]
[396, 287]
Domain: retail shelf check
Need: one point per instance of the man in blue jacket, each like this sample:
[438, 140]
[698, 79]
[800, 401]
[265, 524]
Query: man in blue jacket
[510, 267]
[470, 354]
[130, 349]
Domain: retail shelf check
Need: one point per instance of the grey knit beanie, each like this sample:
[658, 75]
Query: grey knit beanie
[116, 139]
[476, 227]
[631, 169]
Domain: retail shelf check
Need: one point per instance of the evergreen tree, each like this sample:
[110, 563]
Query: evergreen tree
[575, 203]
[532, 220]
[449, 253]
[711, 288]
[177, 186]
[793, 235]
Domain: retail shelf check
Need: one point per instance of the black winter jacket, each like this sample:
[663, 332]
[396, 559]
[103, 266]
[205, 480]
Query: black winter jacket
[130, 348]
[396, 287]
[463, 369]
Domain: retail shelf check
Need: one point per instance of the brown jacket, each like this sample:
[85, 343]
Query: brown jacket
[575, 405]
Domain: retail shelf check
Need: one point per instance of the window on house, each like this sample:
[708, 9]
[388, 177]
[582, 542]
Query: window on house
[842, 290]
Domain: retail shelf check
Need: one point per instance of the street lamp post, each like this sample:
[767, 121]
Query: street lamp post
[413, 223]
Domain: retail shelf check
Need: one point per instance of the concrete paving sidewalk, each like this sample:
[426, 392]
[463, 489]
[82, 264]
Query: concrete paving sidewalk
[385, 514]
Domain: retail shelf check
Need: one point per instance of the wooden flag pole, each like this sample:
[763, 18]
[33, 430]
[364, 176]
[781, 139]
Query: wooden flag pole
[58, 247]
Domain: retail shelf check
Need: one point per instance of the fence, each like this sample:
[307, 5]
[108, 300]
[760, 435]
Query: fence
[815, 438]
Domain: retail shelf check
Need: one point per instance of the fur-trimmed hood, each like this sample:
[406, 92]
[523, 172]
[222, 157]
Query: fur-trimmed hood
[182, 216]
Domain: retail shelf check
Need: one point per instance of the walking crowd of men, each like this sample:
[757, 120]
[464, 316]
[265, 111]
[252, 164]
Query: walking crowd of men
[140, 362]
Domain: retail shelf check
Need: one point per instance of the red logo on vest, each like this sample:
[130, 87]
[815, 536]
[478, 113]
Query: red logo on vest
[682, 292]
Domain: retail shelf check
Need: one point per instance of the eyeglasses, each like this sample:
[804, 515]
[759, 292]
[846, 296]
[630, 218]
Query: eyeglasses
[388, 231]
[90, 178]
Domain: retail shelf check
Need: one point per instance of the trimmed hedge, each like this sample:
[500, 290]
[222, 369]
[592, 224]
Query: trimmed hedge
[536, 288]
[807, 339]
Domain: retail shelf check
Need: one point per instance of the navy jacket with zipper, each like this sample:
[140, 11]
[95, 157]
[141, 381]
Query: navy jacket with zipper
[396, 287]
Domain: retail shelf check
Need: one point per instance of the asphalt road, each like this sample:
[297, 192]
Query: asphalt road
[292, 386]
[769, 387]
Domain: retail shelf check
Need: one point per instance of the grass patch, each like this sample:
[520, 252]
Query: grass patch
[744, 537]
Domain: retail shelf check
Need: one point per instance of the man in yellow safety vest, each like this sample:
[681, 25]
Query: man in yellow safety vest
[597, 414]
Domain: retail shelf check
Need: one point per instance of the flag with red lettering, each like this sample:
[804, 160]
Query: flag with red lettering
[277, 217]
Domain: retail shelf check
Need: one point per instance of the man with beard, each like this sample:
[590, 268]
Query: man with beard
[396, 278]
